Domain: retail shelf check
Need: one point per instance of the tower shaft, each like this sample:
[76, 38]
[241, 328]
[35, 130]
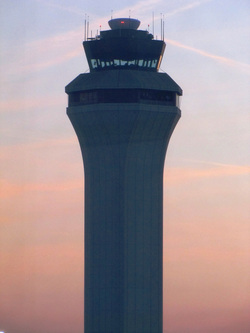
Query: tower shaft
[123, 147]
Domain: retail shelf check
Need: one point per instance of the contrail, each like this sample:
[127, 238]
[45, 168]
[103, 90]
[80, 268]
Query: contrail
[226, 61]
[187, 7]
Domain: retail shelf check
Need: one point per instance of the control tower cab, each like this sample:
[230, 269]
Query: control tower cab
[124, 47]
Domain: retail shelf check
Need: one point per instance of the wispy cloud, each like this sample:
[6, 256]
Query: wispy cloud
[214, 170]
[9, 189]
[141, 8]
[29, 103]
[62, 47]
[57, 49]
[8, 151]
[44, 53]
[185, 8]
[215, 164]
[224, 60]
[146, 8]
[57, 60]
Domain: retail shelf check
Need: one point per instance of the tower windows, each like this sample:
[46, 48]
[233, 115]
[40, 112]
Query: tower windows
[144, 64]
[94, 63]
[124, 96]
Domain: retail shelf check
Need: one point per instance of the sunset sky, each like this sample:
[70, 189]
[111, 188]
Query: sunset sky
[206, 179]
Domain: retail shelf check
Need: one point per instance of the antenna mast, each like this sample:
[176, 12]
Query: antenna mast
[85, 28]
[153, 23]
[163, 27]
[88, 28]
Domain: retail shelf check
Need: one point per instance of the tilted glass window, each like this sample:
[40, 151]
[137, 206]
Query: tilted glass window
[100, 64]
[124, 96]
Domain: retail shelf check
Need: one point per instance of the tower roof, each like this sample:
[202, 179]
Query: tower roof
[124, 23]
[119, 79]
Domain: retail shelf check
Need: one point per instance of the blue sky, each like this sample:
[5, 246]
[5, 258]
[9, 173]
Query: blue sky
[206, 180]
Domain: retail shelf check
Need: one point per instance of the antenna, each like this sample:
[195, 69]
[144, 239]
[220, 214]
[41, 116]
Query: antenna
[111, 14]
[129, 13]
[85, 28]
[88, 28]
[161, 26]
[153, 23]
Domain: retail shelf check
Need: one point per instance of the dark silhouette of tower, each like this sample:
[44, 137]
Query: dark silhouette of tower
[124, 112]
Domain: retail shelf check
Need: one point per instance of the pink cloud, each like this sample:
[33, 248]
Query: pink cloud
[30, 103]
[9, 189]
[10, 149]
[178, 175]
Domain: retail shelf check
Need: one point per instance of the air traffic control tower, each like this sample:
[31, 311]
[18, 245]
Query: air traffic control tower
[123, 112]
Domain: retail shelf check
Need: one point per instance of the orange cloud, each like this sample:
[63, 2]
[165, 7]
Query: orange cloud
[9, 189]
[9, 150]
[177, 175]
[30, 103]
